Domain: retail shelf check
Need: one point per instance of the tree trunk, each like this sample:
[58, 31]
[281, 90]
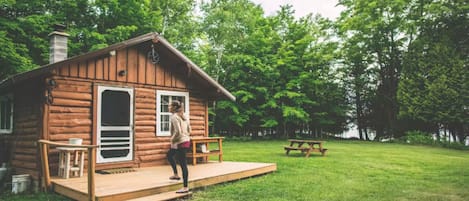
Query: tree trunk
[359, 107]
[366, 135]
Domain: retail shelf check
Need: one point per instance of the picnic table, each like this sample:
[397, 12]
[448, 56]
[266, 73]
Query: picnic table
[309, 146]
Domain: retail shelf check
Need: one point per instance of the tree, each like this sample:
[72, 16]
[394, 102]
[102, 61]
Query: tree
[227, 26]
[22, 24]
[360, 81]
[434, 88]
[381, 26]
[278, 68]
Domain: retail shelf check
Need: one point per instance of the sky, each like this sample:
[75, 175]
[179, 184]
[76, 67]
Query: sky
[326, 8]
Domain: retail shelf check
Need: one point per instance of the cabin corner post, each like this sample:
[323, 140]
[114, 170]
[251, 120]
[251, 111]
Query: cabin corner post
[44, 135]
[45, 122]
[207, 127]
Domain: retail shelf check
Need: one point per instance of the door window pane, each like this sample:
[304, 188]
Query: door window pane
[115, 109]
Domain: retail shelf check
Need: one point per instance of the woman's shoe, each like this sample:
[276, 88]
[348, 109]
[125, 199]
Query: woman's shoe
[183, 190]
[174, 178]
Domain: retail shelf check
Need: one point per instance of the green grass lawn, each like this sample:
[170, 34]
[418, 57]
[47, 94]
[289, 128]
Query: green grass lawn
[355, 171]
[350, 171]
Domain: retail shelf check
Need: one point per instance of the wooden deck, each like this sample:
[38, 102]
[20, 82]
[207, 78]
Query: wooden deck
[155, 180]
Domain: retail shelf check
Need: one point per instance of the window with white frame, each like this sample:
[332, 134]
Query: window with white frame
[6, 114]
[163, 100]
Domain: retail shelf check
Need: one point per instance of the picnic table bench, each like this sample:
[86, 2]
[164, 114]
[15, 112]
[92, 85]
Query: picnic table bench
[310, 146]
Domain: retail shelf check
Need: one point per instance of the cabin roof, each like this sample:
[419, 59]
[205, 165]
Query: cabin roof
[221, 92]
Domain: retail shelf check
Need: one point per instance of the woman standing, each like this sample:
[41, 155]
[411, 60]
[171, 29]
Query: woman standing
[180, 143]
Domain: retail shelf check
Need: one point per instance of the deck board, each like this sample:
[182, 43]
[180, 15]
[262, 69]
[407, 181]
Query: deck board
[171, 195]
[153, 180]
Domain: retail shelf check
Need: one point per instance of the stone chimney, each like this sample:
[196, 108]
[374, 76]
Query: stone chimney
[58, 44]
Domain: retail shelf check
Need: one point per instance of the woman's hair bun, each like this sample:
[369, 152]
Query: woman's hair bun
[176, 104]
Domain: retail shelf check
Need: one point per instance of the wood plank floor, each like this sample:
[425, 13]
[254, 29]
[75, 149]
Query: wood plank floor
[154, 180]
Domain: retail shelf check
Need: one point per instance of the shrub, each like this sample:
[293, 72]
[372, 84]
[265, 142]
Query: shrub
[238, 138]
[419, 137]
[454, 145]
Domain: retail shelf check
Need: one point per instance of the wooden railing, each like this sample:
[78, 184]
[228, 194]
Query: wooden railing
[91, 150]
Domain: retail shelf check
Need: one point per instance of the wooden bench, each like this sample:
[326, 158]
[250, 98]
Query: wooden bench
[288, 149]
[323, 152]
[302, 149]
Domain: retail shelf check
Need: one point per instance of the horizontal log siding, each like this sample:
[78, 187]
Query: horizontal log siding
[198, 116]
[27, 129]
[70, 114]
[148, 148]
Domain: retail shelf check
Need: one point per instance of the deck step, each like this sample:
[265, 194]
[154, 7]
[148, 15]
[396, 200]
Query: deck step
[171, 195]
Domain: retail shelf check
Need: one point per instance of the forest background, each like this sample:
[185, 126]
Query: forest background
[397, 69]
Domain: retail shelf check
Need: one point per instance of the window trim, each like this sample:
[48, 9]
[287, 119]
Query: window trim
[159, 93]
[2, 98]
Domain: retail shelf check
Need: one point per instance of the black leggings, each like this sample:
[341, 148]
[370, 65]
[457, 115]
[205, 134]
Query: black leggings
[180, 154]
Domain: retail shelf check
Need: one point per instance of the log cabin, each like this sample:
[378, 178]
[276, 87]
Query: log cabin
[116, 97]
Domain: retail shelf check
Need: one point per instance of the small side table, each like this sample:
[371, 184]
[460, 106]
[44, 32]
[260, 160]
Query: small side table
[65, 165]
[205, 141]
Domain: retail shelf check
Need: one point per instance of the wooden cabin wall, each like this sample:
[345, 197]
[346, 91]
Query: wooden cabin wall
[71, 113]
[28, 100]
[198, 116]
[149, 150]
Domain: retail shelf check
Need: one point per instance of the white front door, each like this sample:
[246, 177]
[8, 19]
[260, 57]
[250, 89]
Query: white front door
[115, 124]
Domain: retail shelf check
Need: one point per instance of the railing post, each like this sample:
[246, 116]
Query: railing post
[91, 170]
[45, 166]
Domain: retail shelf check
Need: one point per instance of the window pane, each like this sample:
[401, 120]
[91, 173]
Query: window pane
[115, 108]
[2, 114]
[8, 114]
[164, 122]
[165, 126]
[164, 103]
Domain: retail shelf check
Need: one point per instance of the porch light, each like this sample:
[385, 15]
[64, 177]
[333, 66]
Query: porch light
[122, 73]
